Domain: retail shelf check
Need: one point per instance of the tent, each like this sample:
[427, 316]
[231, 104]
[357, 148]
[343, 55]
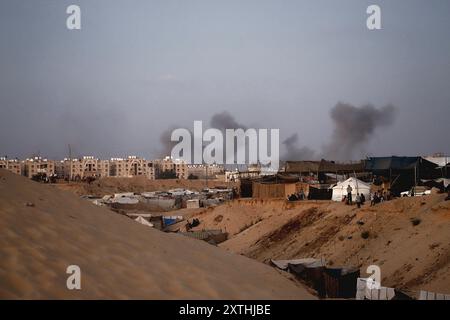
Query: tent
[358, 186]
[141, 220]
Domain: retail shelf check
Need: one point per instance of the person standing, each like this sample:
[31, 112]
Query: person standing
[358, 200]
[349, 194]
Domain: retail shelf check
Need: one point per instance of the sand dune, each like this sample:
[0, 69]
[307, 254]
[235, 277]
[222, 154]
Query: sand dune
[118, 257]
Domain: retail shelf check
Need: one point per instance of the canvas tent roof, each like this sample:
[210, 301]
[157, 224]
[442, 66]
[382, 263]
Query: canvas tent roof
[322, 166]
[358, 186]
[395, 163]
[440, 161]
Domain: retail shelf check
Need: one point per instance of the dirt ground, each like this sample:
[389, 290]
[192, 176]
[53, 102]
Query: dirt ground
[409, 238]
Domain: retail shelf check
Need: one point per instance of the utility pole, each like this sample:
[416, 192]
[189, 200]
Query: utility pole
[70, 163]
[206, 175]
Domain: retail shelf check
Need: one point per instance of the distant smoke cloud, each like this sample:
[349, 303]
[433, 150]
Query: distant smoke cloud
[354, 127]
[166, 142]
[224, 120]
[294, 152]
[221, 121]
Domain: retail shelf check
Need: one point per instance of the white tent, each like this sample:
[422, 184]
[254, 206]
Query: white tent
[358, 186]
[143, 221]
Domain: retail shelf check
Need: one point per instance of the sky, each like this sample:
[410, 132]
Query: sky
[137, 68]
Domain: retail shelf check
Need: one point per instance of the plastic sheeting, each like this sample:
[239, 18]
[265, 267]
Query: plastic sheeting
[306, 262]
[365, 291]
[141, 220]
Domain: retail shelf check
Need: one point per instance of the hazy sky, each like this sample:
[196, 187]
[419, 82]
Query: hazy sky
[137, 68]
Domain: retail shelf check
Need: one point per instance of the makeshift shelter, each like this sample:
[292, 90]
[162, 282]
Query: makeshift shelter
[358, 186]
[274, 186]
[142, 220]
[402, 172]
[193, 203]
[341, 282]
[319, 192]
[273, 190]
[246, 188]
[323, 166]
[213, 237]
[366, 292]
[427, 295]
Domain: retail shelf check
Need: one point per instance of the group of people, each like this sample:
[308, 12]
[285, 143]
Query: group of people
[377, 197]
[360, 199]
[297, 196]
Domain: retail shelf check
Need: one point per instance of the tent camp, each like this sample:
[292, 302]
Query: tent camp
[358, 186]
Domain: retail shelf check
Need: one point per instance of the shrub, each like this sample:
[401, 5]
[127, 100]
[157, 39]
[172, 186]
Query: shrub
[365, 234]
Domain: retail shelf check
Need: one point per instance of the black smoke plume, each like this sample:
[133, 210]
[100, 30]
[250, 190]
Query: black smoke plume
[354, 127]
[295, 152]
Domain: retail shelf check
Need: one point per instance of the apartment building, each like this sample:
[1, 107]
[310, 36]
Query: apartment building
[85, 167]
[130, 167]
[201, 171]
[179, 167]
[12, 165]
[38, 165]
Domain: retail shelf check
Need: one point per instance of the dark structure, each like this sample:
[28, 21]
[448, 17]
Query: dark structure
[322, 167]
[402, 172]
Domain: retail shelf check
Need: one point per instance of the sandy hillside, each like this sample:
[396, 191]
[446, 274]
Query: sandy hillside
[411, 257]
[136, 184]
[118, 257]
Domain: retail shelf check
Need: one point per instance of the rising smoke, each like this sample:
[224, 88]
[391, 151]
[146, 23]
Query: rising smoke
[354, 127]
[295, 152]
[224, 120]
[221, 121]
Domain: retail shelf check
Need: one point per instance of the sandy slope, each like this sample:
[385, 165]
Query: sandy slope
[118, 257]
[410, 257]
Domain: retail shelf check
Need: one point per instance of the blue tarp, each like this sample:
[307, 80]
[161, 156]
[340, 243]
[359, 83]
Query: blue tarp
[169, 221]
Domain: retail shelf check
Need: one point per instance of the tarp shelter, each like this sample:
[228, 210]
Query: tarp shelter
[322, 166]
[273, 190]
[305, 262]
[168, 220]
[211, 236]
[193, 203]
[427, 295]
[141, 220]
[341, 282]
[402, 172]
[366, 292]
[358, 186]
